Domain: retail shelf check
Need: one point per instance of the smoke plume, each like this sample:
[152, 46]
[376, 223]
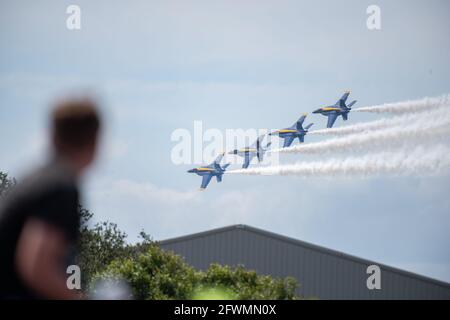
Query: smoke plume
[399, 120]
[430, 131]
[419, 161]
[408, 106]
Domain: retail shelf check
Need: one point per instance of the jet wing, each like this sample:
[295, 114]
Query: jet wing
[331, 119]
[288, 141]
[205, 181]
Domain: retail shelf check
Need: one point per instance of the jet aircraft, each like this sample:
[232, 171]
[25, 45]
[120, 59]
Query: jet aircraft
[340, 108]
[295, 131]
[255, 150]
[212, 170]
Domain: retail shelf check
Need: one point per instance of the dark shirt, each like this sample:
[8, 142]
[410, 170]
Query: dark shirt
[50, 194]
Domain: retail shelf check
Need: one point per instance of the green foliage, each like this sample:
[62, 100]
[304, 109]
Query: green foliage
[157, 274]
[98, 246]
[6, 184]
[213, 293]
[248, 285]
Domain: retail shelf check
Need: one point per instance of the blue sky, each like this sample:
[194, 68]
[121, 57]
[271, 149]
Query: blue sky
[159, 65]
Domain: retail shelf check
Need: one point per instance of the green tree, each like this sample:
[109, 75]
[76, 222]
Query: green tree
[98, 246]
[158, 274]
[247, 284]
[155, 274]
[6, 184]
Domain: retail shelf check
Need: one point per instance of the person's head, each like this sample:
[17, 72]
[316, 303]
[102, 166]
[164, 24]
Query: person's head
[75, 129]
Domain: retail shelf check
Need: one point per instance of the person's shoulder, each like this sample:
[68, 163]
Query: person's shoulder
[48, 180]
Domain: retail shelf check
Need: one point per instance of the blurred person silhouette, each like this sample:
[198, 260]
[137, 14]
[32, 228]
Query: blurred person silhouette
[39, 219]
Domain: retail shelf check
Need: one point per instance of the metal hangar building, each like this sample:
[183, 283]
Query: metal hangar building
[321, 273]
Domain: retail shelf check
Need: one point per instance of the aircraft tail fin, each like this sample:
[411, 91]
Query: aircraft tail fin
[343, 99]
[351, 104]
[225, 166]
[258, 142]
[309, 126]
[299, 123]
[219, 158]
[262, 151]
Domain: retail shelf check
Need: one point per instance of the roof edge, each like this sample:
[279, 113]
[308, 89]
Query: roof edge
[303, 244]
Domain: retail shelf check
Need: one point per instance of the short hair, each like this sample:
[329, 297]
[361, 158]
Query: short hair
[75, 123]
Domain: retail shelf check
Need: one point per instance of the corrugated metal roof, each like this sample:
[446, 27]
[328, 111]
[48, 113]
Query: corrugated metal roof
[304, 245]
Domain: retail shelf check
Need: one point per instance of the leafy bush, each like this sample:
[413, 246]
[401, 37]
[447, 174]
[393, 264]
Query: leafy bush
[247, 284]
[158, 274]
[155, 274]
[99, 246]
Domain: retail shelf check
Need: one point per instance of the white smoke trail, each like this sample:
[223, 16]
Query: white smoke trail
[407, 106]
[430, 122]
[384, 123]
[419, 161]
[415, 132]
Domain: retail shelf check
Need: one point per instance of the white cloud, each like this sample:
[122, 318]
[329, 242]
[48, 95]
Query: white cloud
[151, 194]
[169, 212]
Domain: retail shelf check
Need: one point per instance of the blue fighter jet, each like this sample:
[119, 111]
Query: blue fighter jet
[255, 150]
[296, 131]
[212, 170]
[338, 109]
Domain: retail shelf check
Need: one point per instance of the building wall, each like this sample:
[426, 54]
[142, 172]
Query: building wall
[322, 273]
